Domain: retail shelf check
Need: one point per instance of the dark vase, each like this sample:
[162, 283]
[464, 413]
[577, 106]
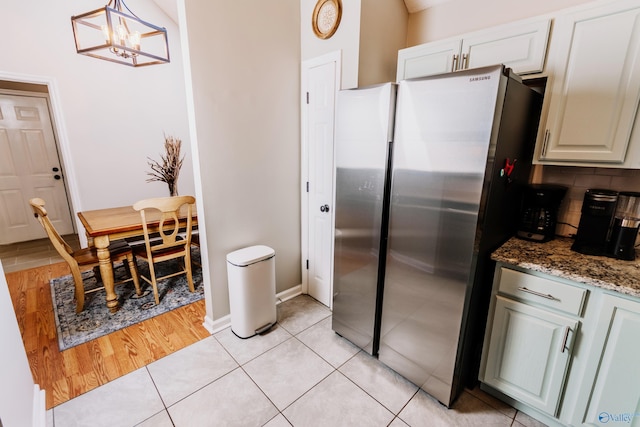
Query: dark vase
[173, 188]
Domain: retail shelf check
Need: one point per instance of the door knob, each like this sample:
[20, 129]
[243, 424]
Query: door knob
[56, 176]
[55, 169]
[324, 208]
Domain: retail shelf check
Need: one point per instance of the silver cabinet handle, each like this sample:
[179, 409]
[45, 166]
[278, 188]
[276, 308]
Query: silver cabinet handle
[539, 294]
[545, 143]
[465, 61]
[564, 340]
[454, 63]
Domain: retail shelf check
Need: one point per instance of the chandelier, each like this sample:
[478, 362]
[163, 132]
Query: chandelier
[114, 35]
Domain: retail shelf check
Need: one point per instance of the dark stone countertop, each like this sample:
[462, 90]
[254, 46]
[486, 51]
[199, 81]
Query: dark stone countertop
[557, 259]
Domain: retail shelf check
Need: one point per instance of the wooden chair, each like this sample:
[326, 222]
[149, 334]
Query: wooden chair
[172, 243]
[85, 259]
[195, 241]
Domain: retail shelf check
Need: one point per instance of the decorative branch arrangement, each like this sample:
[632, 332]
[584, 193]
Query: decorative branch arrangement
[169, 170]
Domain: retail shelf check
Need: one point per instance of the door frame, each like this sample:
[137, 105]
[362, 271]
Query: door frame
[335, 56]
[62, 140]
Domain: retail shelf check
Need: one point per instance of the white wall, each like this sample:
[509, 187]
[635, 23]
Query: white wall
[461, 16]
[113, 117]
[245, 69]
[383, 31]
[346, 39]
[21, 404]
[369, 36]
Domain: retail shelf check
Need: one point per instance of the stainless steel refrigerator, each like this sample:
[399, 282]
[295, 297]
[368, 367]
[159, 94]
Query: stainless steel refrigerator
[429, 175]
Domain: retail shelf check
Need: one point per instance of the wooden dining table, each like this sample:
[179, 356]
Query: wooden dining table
[103, 226]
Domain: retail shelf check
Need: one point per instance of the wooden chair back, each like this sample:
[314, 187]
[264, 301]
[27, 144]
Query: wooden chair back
[63, 248]
[169, 228]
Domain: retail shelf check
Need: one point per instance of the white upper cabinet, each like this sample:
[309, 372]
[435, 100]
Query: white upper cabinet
[428, 59]
[594, 86]
[521, 46]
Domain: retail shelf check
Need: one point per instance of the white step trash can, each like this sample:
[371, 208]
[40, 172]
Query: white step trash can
[251, 274]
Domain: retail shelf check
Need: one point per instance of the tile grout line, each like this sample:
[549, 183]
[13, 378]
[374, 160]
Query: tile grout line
[166, 409]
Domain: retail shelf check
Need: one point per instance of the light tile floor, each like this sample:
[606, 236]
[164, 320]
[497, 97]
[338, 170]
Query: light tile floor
[298, 374]
[34, 253]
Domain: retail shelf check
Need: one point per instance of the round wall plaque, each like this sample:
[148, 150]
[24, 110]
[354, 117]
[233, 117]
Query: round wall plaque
[326, 18]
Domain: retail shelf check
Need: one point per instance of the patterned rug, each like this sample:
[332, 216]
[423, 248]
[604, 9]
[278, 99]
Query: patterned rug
[96, 320]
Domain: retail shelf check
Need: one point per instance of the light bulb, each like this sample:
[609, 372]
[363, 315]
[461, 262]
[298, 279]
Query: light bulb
[134, 39]
[106, 32]
[122, 34]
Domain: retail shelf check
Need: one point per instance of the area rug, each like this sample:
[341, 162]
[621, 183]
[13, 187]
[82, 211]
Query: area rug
[96, 320]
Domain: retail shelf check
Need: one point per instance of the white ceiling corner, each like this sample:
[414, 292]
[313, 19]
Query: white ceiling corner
[418, 5]
[169, 7]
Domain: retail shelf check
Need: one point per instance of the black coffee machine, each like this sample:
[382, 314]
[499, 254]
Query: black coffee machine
[625, 226]
[539, 213]
[598, 208]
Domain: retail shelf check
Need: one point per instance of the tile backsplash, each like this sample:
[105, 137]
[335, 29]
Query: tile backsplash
[579, 180]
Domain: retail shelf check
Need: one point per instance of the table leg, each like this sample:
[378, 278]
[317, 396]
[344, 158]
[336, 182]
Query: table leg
[106, 271]
[89, 240]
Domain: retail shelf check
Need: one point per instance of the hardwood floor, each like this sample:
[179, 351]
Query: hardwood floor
[65, 375]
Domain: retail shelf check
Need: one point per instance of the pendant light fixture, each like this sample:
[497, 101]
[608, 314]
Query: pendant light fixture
[116, 34]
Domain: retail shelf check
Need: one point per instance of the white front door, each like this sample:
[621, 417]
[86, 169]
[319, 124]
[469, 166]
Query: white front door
[29, 167]
[320, 82]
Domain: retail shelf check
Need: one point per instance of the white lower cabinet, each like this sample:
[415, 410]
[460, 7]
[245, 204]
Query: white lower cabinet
[529, 353]
[563, 352]
[531, 335]
[613, 382]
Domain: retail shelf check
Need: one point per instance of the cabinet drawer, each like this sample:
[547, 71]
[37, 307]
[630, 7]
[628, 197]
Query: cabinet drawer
[549, 293]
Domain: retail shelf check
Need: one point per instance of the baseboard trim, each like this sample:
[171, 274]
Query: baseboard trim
[214, 326]
[39, 407]
[288, 294]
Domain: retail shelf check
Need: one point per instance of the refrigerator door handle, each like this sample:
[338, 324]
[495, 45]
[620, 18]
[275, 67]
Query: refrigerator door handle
[545, 143]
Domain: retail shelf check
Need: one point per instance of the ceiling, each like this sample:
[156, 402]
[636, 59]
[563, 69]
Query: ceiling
[418, 5]
[170, 8]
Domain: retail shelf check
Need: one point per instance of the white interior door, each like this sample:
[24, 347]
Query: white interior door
[320, 83]
[29, 167]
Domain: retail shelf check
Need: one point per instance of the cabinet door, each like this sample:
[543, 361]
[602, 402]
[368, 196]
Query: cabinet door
[529, 352]
[428, 59]
[522, 47]
[595, 66]
[615, 397]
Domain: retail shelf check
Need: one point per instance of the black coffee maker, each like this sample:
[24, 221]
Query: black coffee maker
[539, 213]
[598, 208]
[625, 226]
